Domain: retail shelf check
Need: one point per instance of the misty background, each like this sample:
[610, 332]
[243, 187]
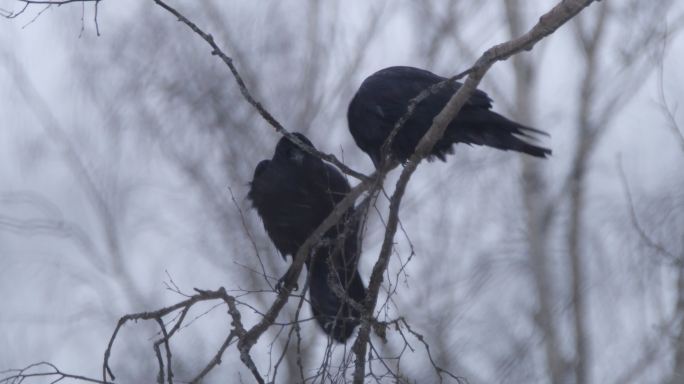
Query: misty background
[125, 160]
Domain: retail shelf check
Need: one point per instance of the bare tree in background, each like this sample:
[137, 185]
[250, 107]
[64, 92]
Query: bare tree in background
[656, 220]
[613, 74]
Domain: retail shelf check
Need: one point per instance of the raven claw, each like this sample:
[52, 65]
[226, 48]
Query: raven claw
[281, 282]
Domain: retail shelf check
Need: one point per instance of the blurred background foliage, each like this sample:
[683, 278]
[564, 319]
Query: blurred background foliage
[119, 155]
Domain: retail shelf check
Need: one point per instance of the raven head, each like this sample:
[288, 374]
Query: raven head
[287, 150]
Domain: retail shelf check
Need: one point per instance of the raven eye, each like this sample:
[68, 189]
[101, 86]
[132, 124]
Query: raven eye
[296, 155]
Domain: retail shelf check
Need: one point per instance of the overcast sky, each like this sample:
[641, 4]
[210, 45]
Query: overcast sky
[59, 301]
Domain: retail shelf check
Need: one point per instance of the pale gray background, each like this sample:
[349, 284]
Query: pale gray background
[116, 154]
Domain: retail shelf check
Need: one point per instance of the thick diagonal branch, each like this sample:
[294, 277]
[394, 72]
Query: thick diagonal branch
[547, 24]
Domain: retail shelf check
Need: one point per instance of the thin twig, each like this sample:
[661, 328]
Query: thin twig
[216, 360]
[645, 238]
[160, 313]
[217, 51]
[15, 376]
[250, 237]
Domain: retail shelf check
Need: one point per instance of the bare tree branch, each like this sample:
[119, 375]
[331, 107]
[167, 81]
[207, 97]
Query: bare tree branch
[664, 104]
[547, 24]
[184, 306]
[645, 238]
[590, 41]
[247, 337]
[216, 50]
[534, 189]
[38, 370]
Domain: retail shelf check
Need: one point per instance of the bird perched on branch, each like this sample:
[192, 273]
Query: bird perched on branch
[384, 97]
[293, 193]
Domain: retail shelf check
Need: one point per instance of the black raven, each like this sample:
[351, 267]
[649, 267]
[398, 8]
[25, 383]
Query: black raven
[293, 193]
[383, 99]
